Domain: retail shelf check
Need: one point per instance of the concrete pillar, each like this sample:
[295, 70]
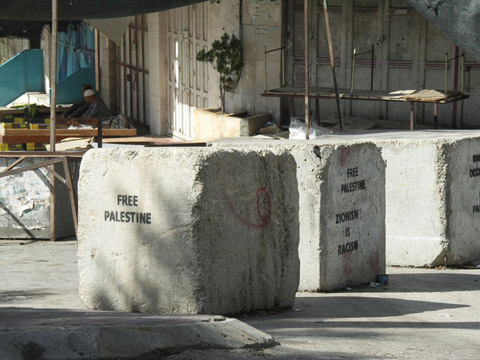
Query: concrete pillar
[341, 190]
[158, 72]
[188, 230]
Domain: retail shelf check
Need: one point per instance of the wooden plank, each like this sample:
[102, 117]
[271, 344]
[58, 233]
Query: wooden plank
[424, 96]
[67, 132]
[44, 154]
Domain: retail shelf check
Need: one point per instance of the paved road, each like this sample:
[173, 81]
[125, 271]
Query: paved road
[421, 314]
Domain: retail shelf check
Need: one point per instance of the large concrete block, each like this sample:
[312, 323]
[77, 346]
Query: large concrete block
[433, 196]
[25, 203]
[189, 230]
[342, 210]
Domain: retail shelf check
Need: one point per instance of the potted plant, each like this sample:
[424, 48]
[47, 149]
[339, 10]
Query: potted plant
[226, 57]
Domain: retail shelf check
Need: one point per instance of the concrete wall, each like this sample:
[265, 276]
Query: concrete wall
[342, 210]
[432, 195]
[409, 54]
[220, 233]
[25, 204]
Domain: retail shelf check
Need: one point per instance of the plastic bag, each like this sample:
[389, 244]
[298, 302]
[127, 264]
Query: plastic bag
[297, 130]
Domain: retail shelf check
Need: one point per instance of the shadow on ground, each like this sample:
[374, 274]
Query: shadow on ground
[439, 281]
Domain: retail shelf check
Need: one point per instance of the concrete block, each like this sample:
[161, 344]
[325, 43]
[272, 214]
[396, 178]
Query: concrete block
[187, 230]
[433, 193]
[25, 203]
[342, 210]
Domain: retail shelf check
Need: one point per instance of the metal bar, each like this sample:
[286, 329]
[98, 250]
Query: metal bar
[292, 106]
[332, 61]
[371, 69]
[463, 73]
[100, 133]
[125, 73]
[11, 166]
[30, 167]
[283, 66]
[365, 52]
[73, 200]
[455, 87]
[307, 72]
[317, 110]
[273, 50]
[143, 73]
[53, 76]
[412, 114]
[446, 75]
[44, 154]
[352, 75]
[121, 63]
[265, 69]
[97, 60]
[435, 115]
[136, 68]
[455, 57]
[53, 114]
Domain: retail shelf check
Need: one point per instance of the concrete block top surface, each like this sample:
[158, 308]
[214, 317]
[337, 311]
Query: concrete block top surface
[188, 230]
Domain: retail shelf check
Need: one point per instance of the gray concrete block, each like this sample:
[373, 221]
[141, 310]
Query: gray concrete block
[342, 210]
[433, 193]
[188, 230]
[25, 203]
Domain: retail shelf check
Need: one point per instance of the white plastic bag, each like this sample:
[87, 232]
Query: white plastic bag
[297, 130]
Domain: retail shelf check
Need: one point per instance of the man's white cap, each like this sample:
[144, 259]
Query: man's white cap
[88, 92]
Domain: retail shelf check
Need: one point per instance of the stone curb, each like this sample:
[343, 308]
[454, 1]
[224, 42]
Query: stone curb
[27, 333]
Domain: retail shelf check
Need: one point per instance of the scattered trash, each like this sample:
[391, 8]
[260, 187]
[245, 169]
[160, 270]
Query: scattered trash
[445, 315]
[295, 309]
[348, 288]
[476, 263]
[374, 284]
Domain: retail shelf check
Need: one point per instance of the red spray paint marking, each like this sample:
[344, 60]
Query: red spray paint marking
[346, 264]
[375, 263]
[344, 155]
[263, 217]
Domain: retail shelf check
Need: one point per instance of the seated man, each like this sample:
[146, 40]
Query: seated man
[97, 108]
[76, 110]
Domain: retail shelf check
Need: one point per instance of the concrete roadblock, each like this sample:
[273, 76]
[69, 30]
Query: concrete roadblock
[188, 230]
[342, 210]
[433, 196]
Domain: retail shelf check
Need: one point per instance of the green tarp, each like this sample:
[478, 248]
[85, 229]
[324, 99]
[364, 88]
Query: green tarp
[459, 20]
[84, 9]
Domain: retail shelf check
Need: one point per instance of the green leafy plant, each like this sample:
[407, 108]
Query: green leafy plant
[227, 58]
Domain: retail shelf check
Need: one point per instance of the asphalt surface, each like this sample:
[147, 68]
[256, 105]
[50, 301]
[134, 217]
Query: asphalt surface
[420, 314]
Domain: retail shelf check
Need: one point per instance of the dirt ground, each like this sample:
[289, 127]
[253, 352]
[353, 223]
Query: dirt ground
[420, 314]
